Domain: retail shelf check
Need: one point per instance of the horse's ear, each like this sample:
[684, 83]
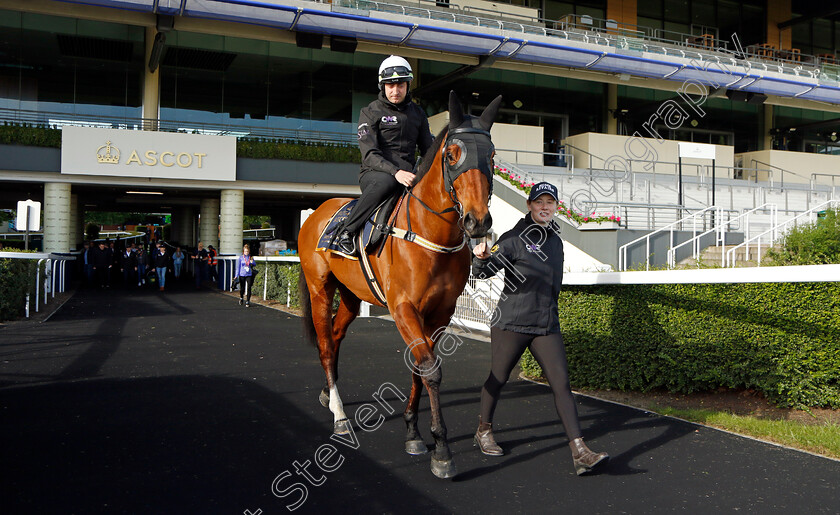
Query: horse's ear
[489, 115]
[456, 112]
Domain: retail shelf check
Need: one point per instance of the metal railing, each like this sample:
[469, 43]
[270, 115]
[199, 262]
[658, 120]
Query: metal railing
[700, 216]
[781, 174]
[719, 231]
[55, 274]
[258, 233]
[641, 39]
[771, 236]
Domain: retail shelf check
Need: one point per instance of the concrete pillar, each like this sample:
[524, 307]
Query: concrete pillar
[208, 229]
[73, 235]
[56, 217]
[151, 86]
[765, 137]
[612, 106]
[183, 225]
[232, 217]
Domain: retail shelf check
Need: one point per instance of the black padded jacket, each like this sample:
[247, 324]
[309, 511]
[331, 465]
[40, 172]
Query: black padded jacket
[532, 257]
[389, 135]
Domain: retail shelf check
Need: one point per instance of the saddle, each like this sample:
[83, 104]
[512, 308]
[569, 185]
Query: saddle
[373, 233]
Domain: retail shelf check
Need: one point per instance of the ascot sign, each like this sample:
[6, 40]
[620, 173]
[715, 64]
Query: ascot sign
[150, 154]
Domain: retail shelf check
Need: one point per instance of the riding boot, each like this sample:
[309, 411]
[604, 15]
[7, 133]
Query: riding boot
[347, 242]
[484, 439]
[585, 459]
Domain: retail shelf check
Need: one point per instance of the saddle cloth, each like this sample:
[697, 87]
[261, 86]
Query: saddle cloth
[371, 235]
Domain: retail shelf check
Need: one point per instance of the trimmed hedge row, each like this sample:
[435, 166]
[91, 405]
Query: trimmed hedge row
[280, 277]
[17, 278]
[31, 135]
[782, 339]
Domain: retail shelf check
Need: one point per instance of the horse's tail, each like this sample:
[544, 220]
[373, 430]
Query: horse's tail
[306, 307]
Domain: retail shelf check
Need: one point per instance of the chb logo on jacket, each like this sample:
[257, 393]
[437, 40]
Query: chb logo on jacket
[389, 120]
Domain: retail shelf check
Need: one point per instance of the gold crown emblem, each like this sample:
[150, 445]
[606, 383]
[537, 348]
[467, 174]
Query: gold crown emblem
[111, 155]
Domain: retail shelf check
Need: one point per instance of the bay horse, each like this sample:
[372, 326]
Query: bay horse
[420, 285]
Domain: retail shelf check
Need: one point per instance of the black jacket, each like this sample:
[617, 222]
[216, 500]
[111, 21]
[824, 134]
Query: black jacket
[532, 257]
[389, 135]
[129, 261]
[161, 259]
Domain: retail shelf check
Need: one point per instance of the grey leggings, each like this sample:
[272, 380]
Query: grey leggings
[550, 353]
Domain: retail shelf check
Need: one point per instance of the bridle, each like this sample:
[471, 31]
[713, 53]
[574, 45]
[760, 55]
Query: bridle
[466, 161]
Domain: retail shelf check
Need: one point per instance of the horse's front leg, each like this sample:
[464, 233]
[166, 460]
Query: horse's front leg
[428, 368]
[414, 443]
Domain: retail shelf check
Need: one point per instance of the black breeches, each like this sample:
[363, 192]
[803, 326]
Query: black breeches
[376, 187]
[550, 352]
[245, 284]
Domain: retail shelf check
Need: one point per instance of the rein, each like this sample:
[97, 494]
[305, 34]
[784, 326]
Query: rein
[449, 184]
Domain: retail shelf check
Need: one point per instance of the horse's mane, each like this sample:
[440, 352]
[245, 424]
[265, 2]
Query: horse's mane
[429, 157]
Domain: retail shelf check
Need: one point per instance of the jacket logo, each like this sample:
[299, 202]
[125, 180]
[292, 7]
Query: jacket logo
[533, 248]
[364, 129]
[389, 120]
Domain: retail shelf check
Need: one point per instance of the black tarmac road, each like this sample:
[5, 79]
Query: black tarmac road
[185, 402]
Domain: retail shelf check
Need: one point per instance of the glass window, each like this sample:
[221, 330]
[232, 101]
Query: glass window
[677, 11]
[62, 67]
[703, 13]
[650, 9]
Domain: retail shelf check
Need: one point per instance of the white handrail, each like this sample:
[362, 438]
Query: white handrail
[622, 251]
[720, 230]
[774, 233]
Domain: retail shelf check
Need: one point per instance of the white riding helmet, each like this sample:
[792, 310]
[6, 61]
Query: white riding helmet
[394, 69]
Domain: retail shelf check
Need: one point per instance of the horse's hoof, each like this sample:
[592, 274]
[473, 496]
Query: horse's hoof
[342, 427]
[415, 447]
[443, 469]
[324, 398]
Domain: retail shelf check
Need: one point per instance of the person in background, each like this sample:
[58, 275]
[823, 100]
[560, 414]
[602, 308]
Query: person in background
[532, 256]
[101, 261]
[128, 265]
[213, 263]
[245, 272]
[161, 258]
[141, 266]
[200, 258]
[87, 259]
[177, 262]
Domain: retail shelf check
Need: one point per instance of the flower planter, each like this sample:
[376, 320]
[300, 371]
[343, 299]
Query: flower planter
[595, 226]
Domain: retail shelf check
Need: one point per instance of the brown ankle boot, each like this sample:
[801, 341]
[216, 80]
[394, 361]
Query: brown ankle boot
[584, 459]
[484, 439]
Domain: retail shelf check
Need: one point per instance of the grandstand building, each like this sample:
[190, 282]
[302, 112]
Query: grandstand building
[647, 110]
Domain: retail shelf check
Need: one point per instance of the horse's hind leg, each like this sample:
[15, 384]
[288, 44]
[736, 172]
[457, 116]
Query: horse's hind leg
[347, 311]
[328, 351]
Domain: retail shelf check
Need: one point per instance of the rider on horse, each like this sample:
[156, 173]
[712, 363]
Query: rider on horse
[390, 130]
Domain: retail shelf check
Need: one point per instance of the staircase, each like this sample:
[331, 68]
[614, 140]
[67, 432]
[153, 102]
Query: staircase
[714, 256]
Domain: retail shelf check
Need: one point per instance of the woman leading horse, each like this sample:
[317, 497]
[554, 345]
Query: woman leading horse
[422, 268]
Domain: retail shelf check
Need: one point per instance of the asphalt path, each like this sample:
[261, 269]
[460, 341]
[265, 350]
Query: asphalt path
[185, 402]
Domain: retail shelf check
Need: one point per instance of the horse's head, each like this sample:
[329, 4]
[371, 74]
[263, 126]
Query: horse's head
[468, 164]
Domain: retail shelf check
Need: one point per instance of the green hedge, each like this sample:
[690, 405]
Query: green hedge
[280, 276]
[32, 135]
[17, 277]
[259, 148]
[782, 339]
